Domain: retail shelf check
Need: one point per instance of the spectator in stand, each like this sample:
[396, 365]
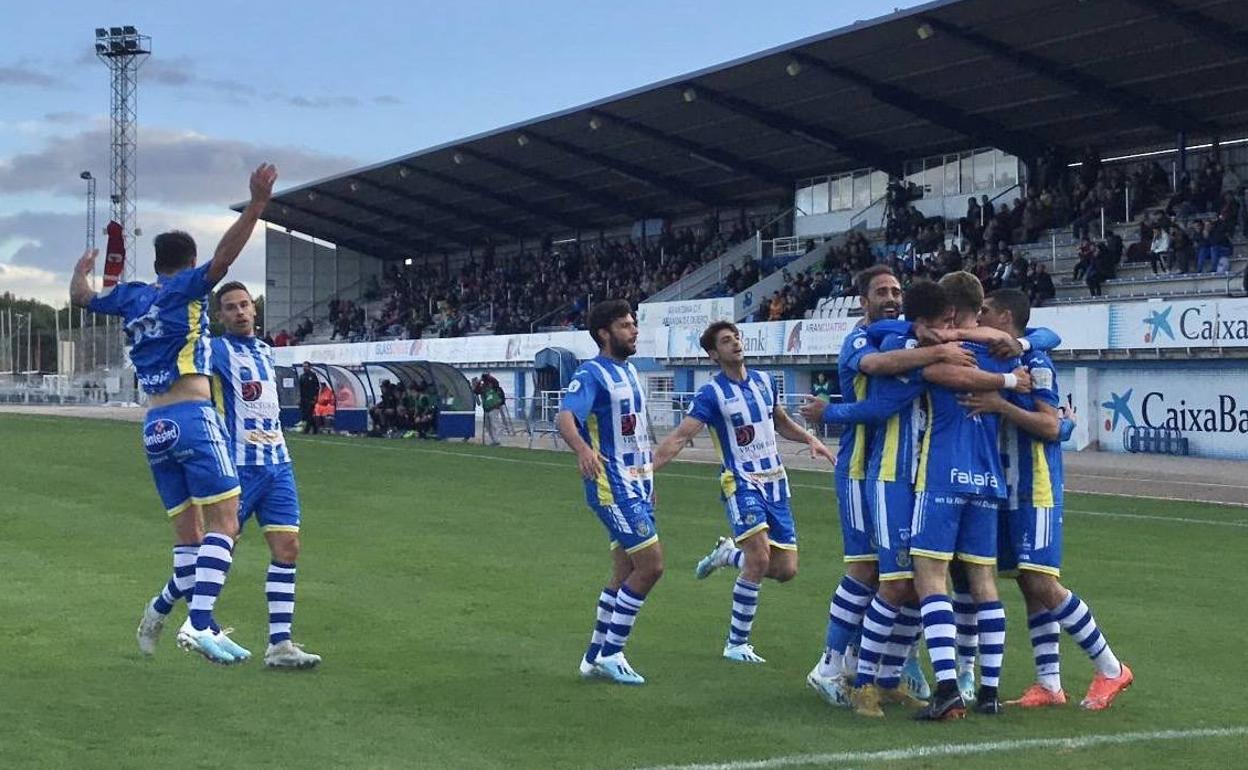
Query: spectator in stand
[282, 339]
[1214, 245]
[1042, 288]
[821, 388]
[1161, 252]
[309, 389]
[323, 412]
[1086, 255]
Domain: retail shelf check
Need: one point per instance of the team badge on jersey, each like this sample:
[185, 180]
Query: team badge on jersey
[251, 391]
[745, 435]
[160, 436]
[628, 424]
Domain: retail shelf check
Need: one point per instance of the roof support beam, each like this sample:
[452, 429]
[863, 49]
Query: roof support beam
[976, 128]
[1198, 23]
[1125, 101]
[863, 151]
[576, 190]
[631, 171]
[726, 161]
[462, 214]
[403, 219]
[399, 247]
[565, 221]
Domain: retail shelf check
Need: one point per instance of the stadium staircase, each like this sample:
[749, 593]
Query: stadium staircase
[710, 274]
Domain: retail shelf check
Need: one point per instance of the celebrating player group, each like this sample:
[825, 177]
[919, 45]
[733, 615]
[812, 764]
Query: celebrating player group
[212, 434]
[948, 474]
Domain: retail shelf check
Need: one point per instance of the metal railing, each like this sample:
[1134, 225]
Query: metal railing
[867, 208]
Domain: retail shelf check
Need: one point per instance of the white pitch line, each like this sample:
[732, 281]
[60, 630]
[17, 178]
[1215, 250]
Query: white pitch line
[711, 479]
[963, 749]
[1155, 481]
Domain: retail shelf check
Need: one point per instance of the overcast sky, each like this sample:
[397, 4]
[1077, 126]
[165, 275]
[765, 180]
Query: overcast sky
[317, 87]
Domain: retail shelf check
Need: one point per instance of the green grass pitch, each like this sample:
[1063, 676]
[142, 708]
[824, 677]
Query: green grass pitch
[451, 589]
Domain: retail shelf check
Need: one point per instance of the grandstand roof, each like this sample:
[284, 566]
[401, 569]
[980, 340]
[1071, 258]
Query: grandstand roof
[1020, 75]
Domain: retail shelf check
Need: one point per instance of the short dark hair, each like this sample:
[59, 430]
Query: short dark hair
[1014, 301]
[707, 340]
[862, 281]
[230, 286]
[964, 291]
[175, 251]
[925, 301]
[603, 314]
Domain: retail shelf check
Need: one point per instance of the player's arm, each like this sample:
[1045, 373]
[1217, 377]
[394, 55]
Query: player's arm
[236, 237]
[676, 441]
[896, 362]
[1043, 421]
[971, 379]
[882, 330]
[786, 427]
[80, 291]
[586, 458]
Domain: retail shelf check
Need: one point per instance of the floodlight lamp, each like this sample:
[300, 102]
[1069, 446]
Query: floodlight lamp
[101, 48]
[129, 30]
[132, 45]
[115, 46]
[794, 68]
[594, 124]
[404, 173]
[138, 231]
[924, 31]
[114, 31]
[522, 140]
[311, 196]
[100, 32]
[85, 175]
[285, 211]
[689, 95]
[354, 187]
[458, 158]
[407, 262]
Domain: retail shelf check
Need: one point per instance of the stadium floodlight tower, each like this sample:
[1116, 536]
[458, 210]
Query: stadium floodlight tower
[124, 50]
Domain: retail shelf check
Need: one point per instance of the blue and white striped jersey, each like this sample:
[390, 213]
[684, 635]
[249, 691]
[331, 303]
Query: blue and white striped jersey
[244, 388]
[610, 410]
[741, 419]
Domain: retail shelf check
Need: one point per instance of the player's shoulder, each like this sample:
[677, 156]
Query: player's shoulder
[899, 342]
[1037, 358]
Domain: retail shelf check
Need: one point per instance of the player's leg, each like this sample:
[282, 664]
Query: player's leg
[1076, 618]
[278, 514]
[933, 540]
[756, 559]
[621, 566]
[631, 524]
[967, 633]
[1015, 537]
[187, 532]
[852, 595]
[894, 508]
[977, 548]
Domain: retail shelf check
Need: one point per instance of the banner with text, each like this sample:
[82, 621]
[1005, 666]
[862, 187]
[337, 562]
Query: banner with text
[693, 312]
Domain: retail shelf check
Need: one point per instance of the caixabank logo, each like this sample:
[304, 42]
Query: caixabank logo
[1194, 412]
[1158, 323]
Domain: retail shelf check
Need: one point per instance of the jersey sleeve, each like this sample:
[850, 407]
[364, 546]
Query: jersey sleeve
[704, 406]
[886, 400]
[194, 283]
[881, 330]
[1042, 338]
[1065, 429]
[582, 392]
[856, 348]
[112, 303]
[1043, 379]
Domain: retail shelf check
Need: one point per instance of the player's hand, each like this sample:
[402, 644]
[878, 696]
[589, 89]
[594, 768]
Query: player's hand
[982, 402]
[1024, 380]
[819, 449]
[811, 410]
[1068, 414]
[1005, 346]
[954, 353]
[589, 464]
[262, 180]
[86, 263]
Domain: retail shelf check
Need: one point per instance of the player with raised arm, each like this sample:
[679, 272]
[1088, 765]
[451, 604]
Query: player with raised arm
[1031, 523]
[739, 408]
[893, 410]
[603, 420]
[166, 324]
[859, 359]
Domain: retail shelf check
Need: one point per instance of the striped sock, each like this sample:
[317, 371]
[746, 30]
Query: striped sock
[279, 589]
[1076, 618]
[744, 605]
[844, 619]
[967, 633]
[737, 558]
[877, 629]
[1045, 633]
[906, 630]
[211, 567]
[990, 621]
[606, 607]
[181, 583]
[627, 605]
[939, 632]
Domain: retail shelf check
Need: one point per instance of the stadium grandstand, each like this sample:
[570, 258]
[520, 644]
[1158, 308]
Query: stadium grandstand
[994, 137]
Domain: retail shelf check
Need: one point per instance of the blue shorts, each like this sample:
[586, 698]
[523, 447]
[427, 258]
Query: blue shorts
[891, 504]
[750, 513]
[188, 455]
[269, 492]
[630, 523]
[1030, 539]
[856, 525]
[947, 524]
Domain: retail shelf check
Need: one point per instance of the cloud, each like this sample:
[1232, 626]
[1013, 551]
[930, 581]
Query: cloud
[24, 75]
[64, 118]
[317, 102]
[387, 99]
[174, 167]
[43, 246]
[179, 72]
